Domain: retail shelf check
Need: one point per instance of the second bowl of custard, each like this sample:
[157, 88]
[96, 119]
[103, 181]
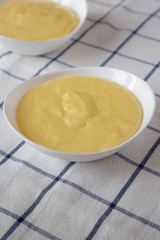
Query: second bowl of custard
[80, 114]
[33, 27]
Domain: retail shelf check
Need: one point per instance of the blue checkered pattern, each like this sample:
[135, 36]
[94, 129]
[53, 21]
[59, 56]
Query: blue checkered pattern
[113, 198]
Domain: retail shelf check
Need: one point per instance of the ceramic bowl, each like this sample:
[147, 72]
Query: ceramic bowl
[131, 82]
[33, 48]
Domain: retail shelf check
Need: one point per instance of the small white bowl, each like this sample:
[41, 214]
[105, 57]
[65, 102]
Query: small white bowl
[34, 48]
[134, 84]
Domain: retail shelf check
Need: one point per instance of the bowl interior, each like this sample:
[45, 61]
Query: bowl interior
[41, 47]
[134, 84]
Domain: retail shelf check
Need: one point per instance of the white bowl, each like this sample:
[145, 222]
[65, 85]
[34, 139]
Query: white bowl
[134, 84]
[41, 47]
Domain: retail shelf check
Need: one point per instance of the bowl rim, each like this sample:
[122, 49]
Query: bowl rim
[68, 71]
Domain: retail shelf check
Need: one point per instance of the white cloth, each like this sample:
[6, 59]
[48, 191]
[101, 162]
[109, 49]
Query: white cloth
[110, 199]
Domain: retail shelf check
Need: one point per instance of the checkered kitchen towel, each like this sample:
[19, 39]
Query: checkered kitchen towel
[115, 198]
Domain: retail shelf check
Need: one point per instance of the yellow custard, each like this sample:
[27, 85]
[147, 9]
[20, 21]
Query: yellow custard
[79, 114]
[36, 20]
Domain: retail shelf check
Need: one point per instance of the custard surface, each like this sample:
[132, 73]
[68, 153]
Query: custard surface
[36, 20]
[79, 114]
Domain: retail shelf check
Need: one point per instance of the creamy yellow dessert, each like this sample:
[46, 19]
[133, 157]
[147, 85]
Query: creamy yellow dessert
[79, 114]
[36, 20]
